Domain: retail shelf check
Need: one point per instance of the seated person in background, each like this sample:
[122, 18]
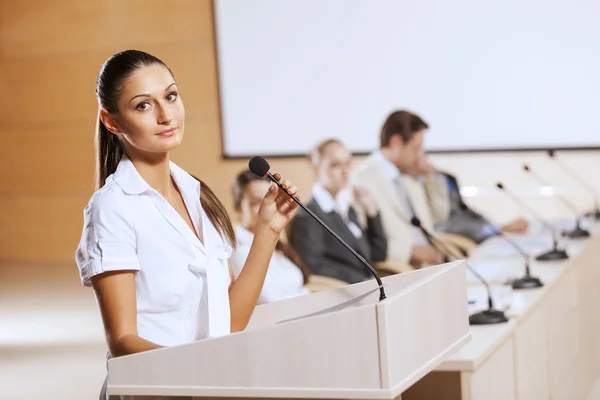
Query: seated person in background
[387, 173]
[461, 220]
[286, 275]
[332, 201]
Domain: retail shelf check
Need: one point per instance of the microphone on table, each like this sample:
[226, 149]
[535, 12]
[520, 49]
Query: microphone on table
[527, 281]
[555, 253]
[260, 167]
[485, 317]
[589, 188]
[577, 232]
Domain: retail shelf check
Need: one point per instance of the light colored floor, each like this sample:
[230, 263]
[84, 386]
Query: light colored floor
[51, 337]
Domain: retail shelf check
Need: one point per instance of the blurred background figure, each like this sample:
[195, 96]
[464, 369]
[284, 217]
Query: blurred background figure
[461, 219]
[352, 213]
[387, 173]
[287, 275]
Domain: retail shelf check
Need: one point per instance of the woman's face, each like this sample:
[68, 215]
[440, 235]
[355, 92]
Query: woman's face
[251, 201]
[151, 114]
[334, 167]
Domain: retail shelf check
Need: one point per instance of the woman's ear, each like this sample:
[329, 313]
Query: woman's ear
[109, 122]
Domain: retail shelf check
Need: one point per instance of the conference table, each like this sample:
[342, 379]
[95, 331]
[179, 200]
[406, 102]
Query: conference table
[550, 347]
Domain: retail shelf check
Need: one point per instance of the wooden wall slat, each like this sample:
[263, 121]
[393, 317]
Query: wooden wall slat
[40, 228]
[57, 90]
[42, 28]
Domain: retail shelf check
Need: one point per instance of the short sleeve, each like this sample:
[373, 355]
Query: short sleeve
[108, 240]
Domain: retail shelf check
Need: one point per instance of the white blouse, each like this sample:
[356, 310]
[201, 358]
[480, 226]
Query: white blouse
[283, 280]
[181, 284]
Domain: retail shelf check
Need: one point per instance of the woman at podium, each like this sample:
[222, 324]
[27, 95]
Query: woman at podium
[156, 242]
[287, 274]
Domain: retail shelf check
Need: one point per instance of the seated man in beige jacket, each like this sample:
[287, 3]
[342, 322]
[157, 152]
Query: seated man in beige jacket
[386, 173]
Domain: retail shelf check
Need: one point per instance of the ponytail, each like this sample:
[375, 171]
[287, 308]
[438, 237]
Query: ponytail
[216, 212]
[108, 153]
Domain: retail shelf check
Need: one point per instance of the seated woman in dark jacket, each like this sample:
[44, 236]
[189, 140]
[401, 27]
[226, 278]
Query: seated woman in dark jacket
[351, 213]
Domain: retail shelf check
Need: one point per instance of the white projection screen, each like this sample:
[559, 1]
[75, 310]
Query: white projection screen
[485, 75]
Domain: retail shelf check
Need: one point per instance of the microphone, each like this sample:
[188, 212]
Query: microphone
[260, 167]
[555, 253]
[577, 232]
[589, 188]
[527, 281]
[485, 317]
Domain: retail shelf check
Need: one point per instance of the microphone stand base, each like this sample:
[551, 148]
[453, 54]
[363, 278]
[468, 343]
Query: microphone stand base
[527, 282]
[488, 317]
[577, 233]
[553, 255]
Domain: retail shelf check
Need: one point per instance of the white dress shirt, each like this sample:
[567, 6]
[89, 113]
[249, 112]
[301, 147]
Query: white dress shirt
[181, 283]
[284, 279]
[339, 204]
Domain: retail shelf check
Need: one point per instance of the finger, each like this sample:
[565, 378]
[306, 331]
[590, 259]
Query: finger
[272, 194]
[287, 208]
[286, 184]
[292, 190]
[277, 176]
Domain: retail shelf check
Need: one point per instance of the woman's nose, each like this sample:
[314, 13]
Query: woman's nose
[164, 116]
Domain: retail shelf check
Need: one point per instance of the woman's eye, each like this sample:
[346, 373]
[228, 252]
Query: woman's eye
[172, 96]
[143, 106]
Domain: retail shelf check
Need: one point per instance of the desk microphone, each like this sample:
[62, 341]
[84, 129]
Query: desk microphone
[527, 281]
[589, 188]
[577, 232]
[260, 167]
[555, 253]
[485, 317]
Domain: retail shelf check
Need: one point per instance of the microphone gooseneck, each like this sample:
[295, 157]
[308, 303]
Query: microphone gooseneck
[524, 205]
[260, 167]
[579, 179]
[551, 255]
[489, 316]
[527, 281]
[577, 232]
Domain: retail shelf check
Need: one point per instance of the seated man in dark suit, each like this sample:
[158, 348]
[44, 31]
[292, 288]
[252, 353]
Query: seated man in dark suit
[462, 220]
[352, 214]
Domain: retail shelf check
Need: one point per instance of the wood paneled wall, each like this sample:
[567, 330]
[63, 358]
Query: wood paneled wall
[50, 54]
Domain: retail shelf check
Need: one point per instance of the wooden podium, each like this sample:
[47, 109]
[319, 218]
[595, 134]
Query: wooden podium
[337, 344]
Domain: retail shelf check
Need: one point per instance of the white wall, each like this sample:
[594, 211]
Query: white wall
[510, 74]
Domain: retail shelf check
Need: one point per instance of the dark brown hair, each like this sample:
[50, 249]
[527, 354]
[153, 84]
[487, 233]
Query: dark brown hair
[403, 123]
[109, 85]
[216, 212]
[239, 186]
[317, 152]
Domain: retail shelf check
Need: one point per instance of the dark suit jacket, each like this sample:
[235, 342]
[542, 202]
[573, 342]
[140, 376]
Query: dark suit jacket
[462, 221]
[324, 255]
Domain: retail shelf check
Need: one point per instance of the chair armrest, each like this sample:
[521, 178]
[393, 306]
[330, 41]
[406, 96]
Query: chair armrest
[317, 283]
[392, 266]
[462, 242]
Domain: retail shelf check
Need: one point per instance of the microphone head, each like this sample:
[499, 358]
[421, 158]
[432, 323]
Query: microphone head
[500, 186]
[551, 153]
[526, 167]
[259, 166]
[414, 221]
